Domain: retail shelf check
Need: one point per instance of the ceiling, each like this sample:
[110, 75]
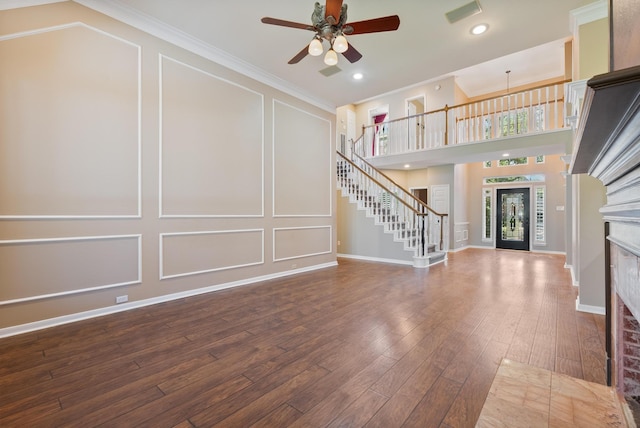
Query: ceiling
[425, 47]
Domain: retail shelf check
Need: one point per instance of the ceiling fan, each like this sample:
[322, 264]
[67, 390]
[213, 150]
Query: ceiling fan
[329, 22]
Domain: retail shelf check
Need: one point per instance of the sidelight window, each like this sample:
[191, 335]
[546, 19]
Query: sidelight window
[540, 232]
[487, 196]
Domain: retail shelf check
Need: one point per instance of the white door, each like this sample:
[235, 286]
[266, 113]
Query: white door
[415, 127]
[411, 126]
[351, 130]
[440, 203]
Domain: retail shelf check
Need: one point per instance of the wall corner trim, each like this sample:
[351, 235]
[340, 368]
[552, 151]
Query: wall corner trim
[589, 13]
[598, 310]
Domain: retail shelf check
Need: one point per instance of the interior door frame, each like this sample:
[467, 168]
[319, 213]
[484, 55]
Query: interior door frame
[513, 245]
[426, 188]
[416, 128]
[372, 113]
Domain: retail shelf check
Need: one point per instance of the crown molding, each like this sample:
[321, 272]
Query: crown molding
[124, 13]
[15, 4]
[586, 14]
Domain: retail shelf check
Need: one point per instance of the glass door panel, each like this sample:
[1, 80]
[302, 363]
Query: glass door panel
[513, 219]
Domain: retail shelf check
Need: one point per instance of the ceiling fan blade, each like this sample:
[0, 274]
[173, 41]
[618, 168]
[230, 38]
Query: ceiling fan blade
[386, 23]
[283, 23]
[296, 59]
[352, 54]
[333, 8]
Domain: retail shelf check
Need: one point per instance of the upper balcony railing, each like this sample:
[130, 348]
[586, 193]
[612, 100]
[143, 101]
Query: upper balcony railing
[532, 111]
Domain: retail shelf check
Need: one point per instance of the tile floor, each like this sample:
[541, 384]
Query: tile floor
[527, 396]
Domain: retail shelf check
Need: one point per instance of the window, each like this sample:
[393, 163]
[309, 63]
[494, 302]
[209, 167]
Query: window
[514, 122]
[513, 161]
[540, 159]
[514, 179]
[486, 164]
[487, 127]
[540, 220]
[538, 118]
[487, 196]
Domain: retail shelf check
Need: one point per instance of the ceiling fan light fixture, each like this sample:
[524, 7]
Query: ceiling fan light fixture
[315, 47]
[331, 58]
[340, 44]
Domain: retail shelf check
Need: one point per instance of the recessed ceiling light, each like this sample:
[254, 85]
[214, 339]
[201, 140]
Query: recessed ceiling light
[479, 29]
[505, 155]
[407, 165]
[358, 76]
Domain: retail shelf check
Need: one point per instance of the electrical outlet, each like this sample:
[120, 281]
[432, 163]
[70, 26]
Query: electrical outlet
[293, 266]
[338, 243]
[122, 299]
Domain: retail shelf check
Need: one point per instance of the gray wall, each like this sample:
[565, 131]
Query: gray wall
[359, 236]
[589, 272]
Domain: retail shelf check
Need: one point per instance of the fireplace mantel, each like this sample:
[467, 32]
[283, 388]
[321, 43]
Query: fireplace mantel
[607, 147]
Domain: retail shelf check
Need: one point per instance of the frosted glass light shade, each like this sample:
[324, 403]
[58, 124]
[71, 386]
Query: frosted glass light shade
[340, 44]
[331, 58]
[315, 47]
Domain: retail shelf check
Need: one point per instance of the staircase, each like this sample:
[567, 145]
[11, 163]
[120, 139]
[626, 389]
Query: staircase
[394, 209]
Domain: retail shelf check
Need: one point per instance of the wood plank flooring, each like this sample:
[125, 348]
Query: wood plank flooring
[360, 344]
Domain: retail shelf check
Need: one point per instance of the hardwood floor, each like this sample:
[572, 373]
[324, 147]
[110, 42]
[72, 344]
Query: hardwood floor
[361, 344]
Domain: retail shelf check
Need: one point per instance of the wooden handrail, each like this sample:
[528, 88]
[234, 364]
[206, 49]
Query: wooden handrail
[561, 82]
[399, 186]
[461, 118]
[446, 108]
[415, 211]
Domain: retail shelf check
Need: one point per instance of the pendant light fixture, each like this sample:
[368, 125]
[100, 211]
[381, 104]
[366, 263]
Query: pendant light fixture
[331, 58]
[340, 44]
[315, 47]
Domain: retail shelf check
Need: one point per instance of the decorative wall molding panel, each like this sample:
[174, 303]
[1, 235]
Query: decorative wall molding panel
[49, 169]
[63, 266]
[296, 242]
[211, 131]
[193, 253]
[300, 140]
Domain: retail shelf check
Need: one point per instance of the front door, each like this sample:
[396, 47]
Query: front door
[513, 219]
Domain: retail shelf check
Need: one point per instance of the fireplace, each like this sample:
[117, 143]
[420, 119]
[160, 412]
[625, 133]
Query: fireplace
[625, 325]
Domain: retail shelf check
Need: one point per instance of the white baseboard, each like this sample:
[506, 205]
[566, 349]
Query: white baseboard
[66, 319]
[598, 310]
[481, 247]
[376, 259]
[484, 247]
[560, 253]
[574, 281]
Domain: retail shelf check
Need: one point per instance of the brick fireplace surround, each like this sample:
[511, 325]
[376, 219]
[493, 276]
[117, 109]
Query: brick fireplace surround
[626, 327]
